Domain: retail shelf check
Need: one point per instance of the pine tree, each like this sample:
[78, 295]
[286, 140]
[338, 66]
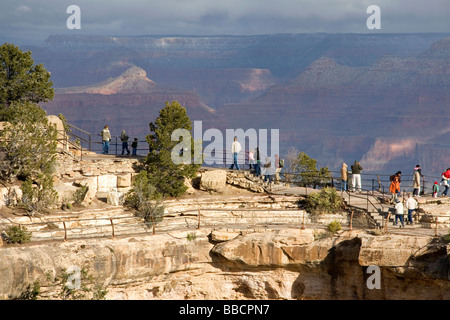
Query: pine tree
[163, 173]
[21, 80]
[27, 140]
[29, 144]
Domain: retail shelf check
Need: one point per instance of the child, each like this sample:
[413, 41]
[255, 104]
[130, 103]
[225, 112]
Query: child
[435, 189]
[134, 146]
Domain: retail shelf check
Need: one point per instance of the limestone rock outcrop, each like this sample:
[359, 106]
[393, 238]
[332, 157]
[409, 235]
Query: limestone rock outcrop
[274, 264]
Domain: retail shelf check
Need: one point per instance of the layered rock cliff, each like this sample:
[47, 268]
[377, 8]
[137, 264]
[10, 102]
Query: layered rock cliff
[274, 264]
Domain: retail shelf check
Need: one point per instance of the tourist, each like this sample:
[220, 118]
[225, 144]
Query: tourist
[258, 163]
[124, 139]
[356, 176]
[277, 168]
[280, 165]
[344, 176]
[444, 181]
[398, 175]
[435, 189]
[399, 212]
[106, 138]
[134, 145]
[394, 187]
[268, 170]
[411, 205]
[251, 159]
[235, 149]
[416, 181]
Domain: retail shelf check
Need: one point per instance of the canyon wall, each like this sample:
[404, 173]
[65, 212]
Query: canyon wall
[283, 263]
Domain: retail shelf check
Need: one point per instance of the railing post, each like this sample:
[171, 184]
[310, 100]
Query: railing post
[116, 146]
[112, 226]
[423, 185]
[303, 225]
[65, 231]
[367, 204]
[436, 229]
[351, 220]
[387, 221]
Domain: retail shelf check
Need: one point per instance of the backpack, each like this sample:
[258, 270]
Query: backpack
[281, 163]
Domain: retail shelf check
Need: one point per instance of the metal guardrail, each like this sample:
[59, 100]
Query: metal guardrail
[198, 220]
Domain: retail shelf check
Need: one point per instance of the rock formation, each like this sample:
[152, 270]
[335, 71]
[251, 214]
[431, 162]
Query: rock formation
[276, 264]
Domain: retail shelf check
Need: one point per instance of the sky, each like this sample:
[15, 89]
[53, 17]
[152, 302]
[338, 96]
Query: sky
[32, 21]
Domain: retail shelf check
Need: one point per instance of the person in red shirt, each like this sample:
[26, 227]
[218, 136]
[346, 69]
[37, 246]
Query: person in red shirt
[445, 177]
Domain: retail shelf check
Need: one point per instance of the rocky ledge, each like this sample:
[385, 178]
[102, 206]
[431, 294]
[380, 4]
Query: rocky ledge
[230, 264]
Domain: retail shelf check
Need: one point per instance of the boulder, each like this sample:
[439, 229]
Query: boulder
[65, 190]
[107, 182]
[92, 183]
[221, 235]
[213, 180]
[188, 184]
[115, 198]
[124, 180]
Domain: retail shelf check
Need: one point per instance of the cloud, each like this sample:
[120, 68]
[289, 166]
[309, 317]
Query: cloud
[206, 17]
[23, 9]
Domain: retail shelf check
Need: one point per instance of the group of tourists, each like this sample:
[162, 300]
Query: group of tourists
[394, 189]
[356, 176]
[269, 171]
[106, 138]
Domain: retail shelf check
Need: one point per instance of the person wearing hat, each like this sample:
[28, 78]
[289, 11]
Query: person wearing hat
[399, 212]
[435, 189]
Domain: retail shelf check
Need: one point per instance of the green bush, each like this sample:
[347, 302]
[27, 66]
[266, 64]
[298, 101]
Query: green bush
[446, 238]
[144, 200]
[17, 234]
[80, 194]
[38, 195]
[334, 226]
[191, 236]
[88, 289]
[326, 201]
[31, 292]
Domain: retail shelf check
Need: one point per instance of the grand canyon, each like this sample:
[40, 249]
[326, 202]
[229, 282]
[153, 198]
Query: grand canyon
[379, 98]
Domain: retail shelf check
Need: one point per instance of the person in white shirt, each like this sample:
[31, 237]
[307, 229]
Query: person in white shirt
[399, 212]
[411, 205]
[235, 149]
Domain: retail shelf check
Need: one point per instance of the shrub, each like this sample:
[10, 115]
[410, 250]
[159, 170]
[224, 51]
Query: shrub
[31, 292]
[446, 238]
[334, 226]
[326, 201]
[17, 234]
[191, 236]
[80, 194]
[37, 196]
[87, 289]
[143, 198]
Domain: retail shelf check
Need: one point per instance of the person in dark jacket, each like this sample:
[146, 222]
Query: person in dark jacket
[356, 176]
[258, 163]
[124, 139]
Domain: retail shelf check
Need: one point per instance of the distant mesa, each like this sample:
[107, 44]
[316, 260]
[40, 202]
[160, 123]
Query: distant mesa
[133, 80]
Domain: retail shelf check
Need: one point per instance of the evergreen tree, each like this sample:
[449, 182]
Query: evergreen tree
[29, 144]
[21, 80]
[164, 174]
[308, 172]
[27, 140]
